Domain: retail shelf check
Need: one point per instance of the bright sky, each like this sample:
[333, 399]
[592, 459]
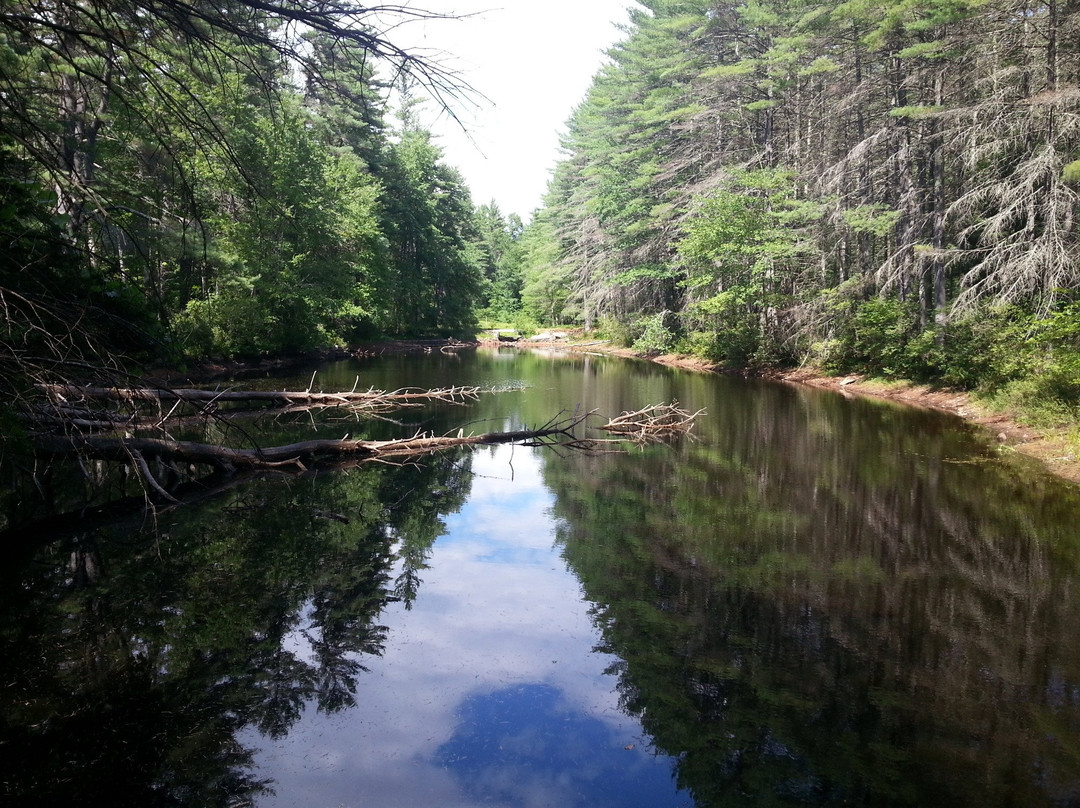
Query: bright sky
[535, 62]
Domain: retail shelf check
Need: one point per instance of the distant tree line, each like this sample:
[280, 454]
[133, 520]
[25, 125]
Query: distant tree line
[888, 186]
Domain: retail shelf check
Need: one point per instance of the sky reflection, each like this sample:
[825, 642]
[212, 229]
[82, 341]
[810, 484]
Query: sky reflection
[489, 691]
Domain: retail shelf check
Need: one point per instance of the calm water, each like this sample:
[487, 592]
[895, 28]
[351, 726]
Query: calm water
[819, 601]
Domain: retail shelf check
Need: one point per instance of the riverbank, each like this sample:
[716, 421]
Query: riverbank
[1055, 448]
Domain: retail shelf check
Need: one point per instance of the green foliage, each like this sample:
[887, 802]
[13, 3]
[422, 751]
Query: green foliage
[500, 258]
[545, 294]
[186, 182]
[877, 219]
[726, 331]
[874, 339]
[1023, 362]
[738, 250]
[436, 275]
[658, 334]
[1048, 382]
[524, 323]
[856, 146]
[618, 332]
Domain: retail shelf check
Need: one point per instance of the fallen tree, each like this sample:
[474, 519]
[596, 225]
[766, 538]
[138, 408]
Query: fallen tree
[371, 400]
[299, 455]
[74, 421]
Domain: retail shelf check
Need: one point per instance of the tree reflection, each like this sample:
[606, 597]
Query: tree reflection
[814, 614]
[130, 659]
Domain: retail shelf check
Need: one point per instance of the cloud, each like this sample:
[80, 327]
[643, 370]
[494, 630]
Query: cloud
[534, 62]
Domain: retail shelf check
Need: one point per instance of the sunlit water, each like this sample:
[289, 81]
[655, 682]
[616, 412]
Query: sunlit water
[816, 601]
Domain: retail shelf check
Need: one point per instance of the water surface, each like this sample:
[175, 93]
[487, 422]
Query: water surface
[817, 601]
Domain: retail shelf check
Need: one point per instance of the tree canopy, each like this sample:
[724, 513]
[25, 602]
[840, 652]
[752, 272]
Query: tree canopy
[188, 178]
[765, 169]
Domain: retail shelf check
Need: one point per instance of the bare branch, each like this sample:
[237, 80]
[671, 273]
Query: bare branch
[299, 456]
[653, 424]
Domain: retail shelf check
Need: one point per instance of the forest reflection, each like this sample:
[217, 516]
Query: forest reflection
[801, 619]
[131, 659]
[814, 601]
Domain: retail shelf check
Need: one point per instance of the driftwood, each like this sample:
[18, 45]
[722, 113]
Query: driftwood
[652, 424]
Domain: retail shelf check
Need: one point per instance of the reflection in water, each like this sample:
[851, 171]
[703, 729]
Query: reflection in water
[817, 602]
[526, 745]
[130, 659]
[799, 623]
[498, 630]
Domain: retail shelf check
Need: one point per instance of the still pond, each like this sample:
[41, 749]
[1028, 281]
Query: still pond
[814, 601]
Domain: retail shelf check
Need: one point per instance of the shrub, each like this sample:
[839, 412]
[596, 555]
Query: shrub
[874, 339]
[617, 331]
[657, 333]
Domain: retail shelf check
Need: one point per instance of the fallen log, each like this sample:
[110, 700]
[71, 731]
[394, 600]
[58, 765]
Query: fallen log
[370, 399]
[296, 456]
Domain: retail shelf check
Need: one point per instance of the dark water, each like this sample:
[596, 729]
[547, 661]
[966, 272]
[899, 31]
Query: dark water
[818, 601]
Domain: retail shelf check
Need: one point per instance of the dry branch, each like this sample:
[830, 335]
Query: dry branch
[297, 456]
[365, 399]
[651, 424]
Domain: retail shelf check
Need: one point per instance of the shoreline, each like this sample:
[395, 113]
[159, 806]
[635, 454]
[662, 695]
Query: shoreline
[1050, 447]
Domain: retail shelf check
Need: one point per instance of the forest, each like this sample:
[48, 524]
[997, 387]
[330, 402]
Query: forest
[889, 188]
[230, 179]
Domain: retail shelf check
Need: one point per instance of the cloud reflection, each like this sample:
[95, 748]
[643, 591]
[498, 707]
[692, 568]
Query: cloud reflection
[525, 745]
[498, 632]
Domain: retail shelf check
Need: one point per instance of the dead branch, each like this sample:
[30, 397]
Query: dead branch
[84, 407]
[366, 399]
[652, 424]
[297, 456]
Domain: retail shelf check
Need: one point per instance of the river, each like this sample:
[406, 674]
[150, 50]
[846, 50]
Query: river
[814, 600]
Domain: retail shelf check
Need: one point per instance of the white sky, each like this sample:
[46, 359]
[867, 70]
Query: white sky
[535, 62]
